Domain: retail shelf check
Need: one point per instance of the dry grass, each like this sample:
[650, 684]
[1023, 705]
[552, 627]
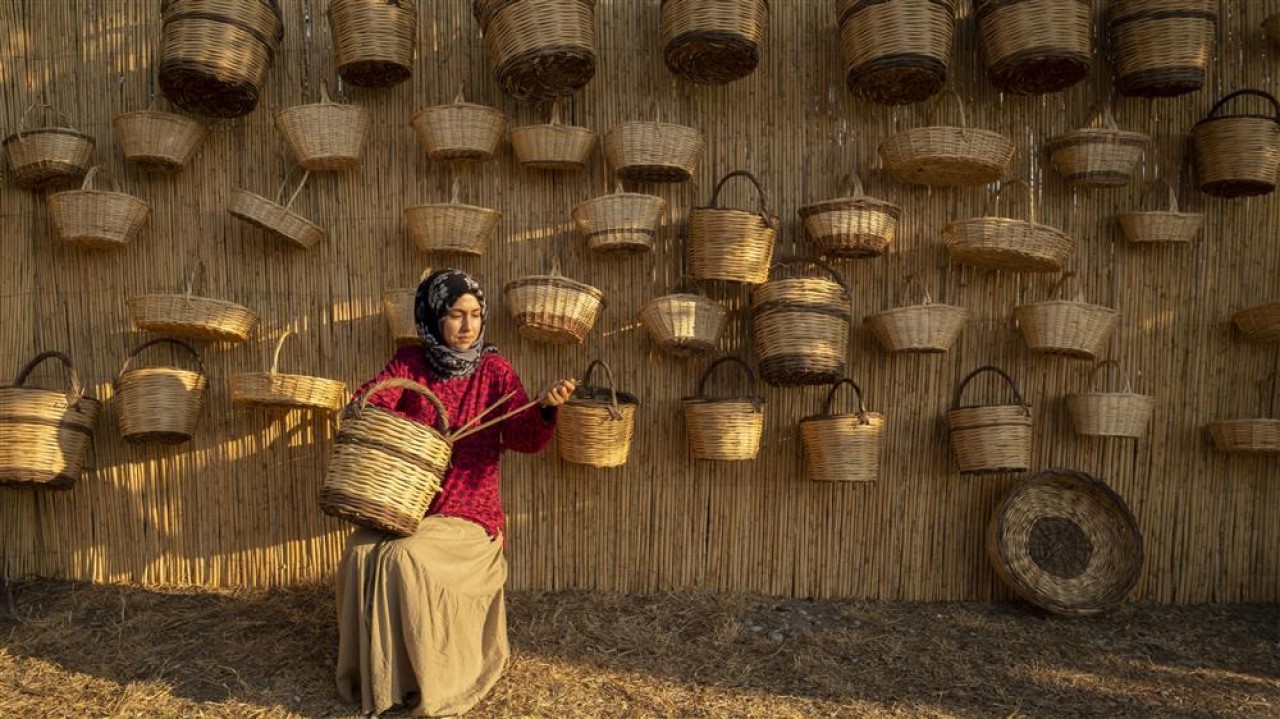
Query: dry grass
[75, 650]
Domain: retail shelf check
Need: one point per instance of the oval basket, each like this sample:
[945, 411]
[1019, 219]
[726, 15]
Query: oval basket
[1094, 156]
[97, 219]
[278, 220]
[1002, 243]
[45, 433]
[539, 49]
[451, 227]
[373, 40]
[156, 140]
[990, 438]
[842, 447]
[801, 325]
[622, 222]
[326, 135]
[1111, 414]
[596, 425]
[191, 317]
[1066, 327]
[896, 52]
[1169, 225]
[684, 324]
[214, 54]
[713, 43]
[1246, 436]
[47, 156]
[459, 131]
[554, 146]
[1260, 323]
[160, 404]
[926, 327]
[724, 428]
[275, 389]
[852, 226]
[653, 151]
[1160, 48]
[1238, 155]
[732, 245]
[1036, 46]
[554, 309]
[946, 156]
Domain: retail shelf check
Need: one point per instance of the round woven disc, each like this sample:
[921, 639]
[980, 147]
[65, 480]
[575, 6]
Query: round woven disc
[897, 80]
[547, 73]
[712, 57]
[192, 87]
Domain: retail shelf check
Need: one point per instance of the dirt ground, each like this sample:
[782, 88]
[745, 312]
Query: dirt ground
[76, 650]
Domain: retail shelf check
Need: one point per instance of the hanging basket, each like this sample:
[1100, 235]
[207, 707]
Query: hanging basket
[1238, 155]
[896, 52]
[277, 219]
[1066, 542]
[1260, 323]
[622, 222]
[1161, 225]
[554, 309]
[49, 155]
[373, 40]
[98, 219]
[596, 425]
[451, 227]
[397, 309]
[554, 146]
[275, 389]
[325, 136]
[460, 131]
[1002, 243]
[990, 438]
[191, 317]
[1160, 48]
[1103, 156]
[842, 447]
[684, 324]
[714, 43]
[1036, 46]
[539, 49]
[45, 433]
[384, 469]
[156, 140]
[927, 327]
[946, 156]
[214, 54]
[725, 428]
[852, 226]
[801, 325]
[732, 245]
[1111, 414]
[1246, 436]
[653, 151]
[1066, 327]
[160, 404]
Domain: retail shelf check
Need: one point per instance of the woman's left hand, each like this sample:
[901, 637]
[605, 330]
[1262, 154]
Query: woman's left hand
[558, 394]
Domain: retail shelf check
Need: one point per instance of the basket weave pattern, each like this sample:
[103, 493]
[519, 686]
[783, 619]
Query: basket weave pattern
[374, 40]
[713, 43]
[192, 317]
[45, 433]
[896, 52]
[214, 54]
[460, 131]
[160, 404]
[554, 309]
[451, 227]
[98, 219]
[47, 156]
[157, 140]
[1238, 155]
[843, 447]
[990, 438]
[1002, 243]
[653, 151]
[1036, 46]
[801, 326]
[732, 245]
[855, 226]
[275, 389]
[539, 49]
[1111, 414]
[1246, 436]
[684, 324]
[726, 429]
[326, 135]
[1161, 48]
[596, 425]
[622, 221]
[945, 156]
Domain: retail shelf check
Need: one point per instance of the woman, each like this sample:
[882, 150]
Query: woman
[421, 619]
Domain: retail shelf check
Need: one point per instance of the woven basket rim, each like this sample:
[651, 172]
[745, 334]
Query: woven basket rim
[1150, 399]
[755, 400]
[555, 280]
[227, 304]
[112, 193]
[1265, 306]
[857, 202]
[653, 123]
[619, 195]
[950, 309]
[875, 417]
[1009, 220]
[453, 205]
[488, 109]
[343, 107]
[935, 128]
[18, 136]
[1163, 213]
[1072, 303]
[1097, 135]
[555, 127]
[58, 393]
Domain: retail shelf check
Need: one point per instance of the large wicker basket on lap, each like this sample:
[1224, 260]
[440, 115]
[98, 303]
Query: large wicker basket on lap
[730, 244]
[98, 219]
[596, 425]
[459, 131]
[854, 225]
[1238, 155]
[214, 54]
[277, 219]
[1002, 243]
[926, 327]
[1111, 413]
[1168, 225]
[713, 42]
[896, 52]
[1104, 156]
[653, 151]
[1036, 46]
[45, 433]
[990, 437]
[157, 140]
[552, 308]
[374, 40]
[843, 447]
[800, 324]
[539, 49]
[619, 222]
[1072, 328]
[1160, 48]
[160, 404]
[49, 155]
[276, 389]
[944, 156]
[684, 324]
[452, 227]
[325, 135]
[724, 428]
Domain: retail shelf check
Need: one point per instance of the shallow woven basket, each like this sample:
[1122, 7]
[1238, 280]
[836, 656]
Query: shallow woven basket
[684, 324]
[1238, 155]
[1066, 327]
[160, 404]
[157, 140]
[724, 428]
[99, 219]
[842, 447]
[1036, 46]
[596, 425]
[397, 309]
[944, 156]
[1160, 48]
[1168, 225]
[853, 225]
[1111, 413]
[451, 227]
[214, 54]
[1098, 156]
[1002, 243]
[373, 40]
[1066, 542]
[49, 155]
[623, 222]
[801, 325]
[554, 146]
[896, 52]
[1246, 436]
[45, 433]
[552, 308]
[716, 42]
[275, 389]
[459, 131]
[384, 469]
[326, 135]
[732, 245]
[990, 438]
[1260, 323]
[653, 151]
[278, 220]
[191, 317]
[539, 49]
[926, 327]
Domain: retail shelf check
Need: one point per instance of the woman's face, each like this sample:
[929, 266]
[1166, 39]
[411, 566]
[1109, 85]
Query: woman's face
[461, 325]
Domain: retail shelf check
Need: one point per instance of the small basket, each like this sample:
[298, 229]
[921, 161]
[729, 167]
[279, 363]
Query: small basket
[49, 155]
[843, 447]
[1065, 327]
[1066, 542]
[373, 40]
[97, 219]
[326, 135]
[927, 327]
[623, 222]
[1161, 225]
[1238, 155]
[214, 54]
[732, 245]
[1160, 48]
[727, 428]
[1246, 436]
[157, 140]
[896, 52]
[1260, 323]
[451, 227]
[684, 324]
[653, 151]
[554, 146]
[277, 219]
[1111, 414]
[191, 317]
[596, 425]
[946, 156]
[1001, 243]
[539, 49]
[1098, 156]
[714, 43]
[853, 225]
[273, 389]
[459, 131]
[551, 308]
[160, 404]
[45, 433]
[384, 469]
[990, 438]
[397, 309]
[801, 325]
[1036, 46]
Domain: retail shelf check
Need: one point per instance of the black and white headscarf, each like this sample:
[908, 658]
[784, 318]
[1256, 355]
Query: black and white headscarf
[436, 295]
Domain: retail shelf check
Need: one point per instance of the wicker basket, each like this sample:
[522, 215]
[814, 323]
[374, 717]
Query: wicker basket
[385, 469]
[596, 425]
[277, 219]
[990, 438]
[156, 140]
[459, 131]
[1001, 243]
[713, 43]
[374, 40]
[945, 156]
[160, 404]
[653, 151]
[1260, 323]
[1098, 156]
[539, 49]
[1160, 48]
[326, 135]
[1238, 155]
[1246, 436]
[45, 433]
[50, 155]
[554, 146]
[1072, 328]
[684, 324]
[274, 389]
[854, 225]
[732, 245]
[98, 219]
[451, 227]
[1161, 225]
[801, 325]
[214, 54]
[1066, 542]
[397, 309]
[623, 222]
[191, 317]
[926, 327]
[896, 52]
[1111, 414]
[1036, 46]
[724, 428]
[842, 447]
[552, 308]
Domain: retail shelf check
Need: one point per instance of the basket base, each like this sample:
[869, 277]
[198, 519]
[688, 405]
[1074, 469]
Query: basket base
[28, 479]
[653, 173]
[196, 88]
[472, 154]
[993, 470]
[1099, 178]
[155, 163]
[993, 258]
[937, 171]
[1164, 82]
[1238, 188]
[711, 58]
[546, 73]
[156, 437]
[1072, 352]
[48, 174]
[796, 371]
[88, 242]
[897, 79]
[851, 247]
[375, 74]
[551, 334]
[1037, 71]
[326, 163]
[687, 347]
[363, 513]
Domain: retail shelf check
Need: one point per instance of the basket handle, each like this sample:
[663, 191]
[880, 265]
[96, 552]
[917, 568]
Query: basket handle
[751, 376]
[275, 356]
[1013, 386]
[555, 112]
[831, 395]
[1031, 198]
[763, 197]
[455, 191]
[809, 261]
[26, 116]
[1056, 291]
[614, 412]
[851, 185]
[950, 92]
[1151, 187]
[1275, 106]
[460, 98]
[159, 341]
[1103, 116]
[93, 173]
[75, 390]
[913, 279]
[285, 183]
[442, 418]
[193, 278]
[1128, 387]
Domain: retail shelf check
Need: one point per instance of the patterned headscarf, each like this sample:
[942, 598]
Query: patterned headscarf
[436, 295]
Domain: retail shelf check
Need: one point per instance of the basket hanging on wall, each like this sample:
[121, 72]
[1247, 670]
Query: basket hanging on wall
[714, 43]
[158, 140]
[48, 155]
[1072, 328]
[192, 317]
[842, 447]
[326, 135]
[724, 428]
[653, 151]
[1168, 225]
[925, 327]
[896, 52]
[990, 437]
[1259, 323]
[684, 324]
[276, 389]
[214, 54]
[397, 309]
[160, 404]
[277, 219]
[993, 242]
[451, 227]
[946, 156]
[539, 49]
[729, 244]
[1104, 156]
[552, 308]
[596, 425]
[1112, 413]
[1036, 46]
[801, 325]
[622, 222]
[373, 40]
[45, 433]
[1160, 48]
[99, 219]
[854, 225]
[554, 146]
[1238, 155]
[459, 131]
[1254, 435]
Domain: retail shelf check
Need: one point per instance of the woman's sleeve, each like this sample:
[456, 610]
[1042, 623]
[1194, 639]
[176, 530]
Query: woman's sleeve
[531, 430]
[388, 399]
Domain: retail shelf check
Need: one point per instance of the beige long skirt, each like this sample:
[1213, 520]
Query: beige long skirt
[422, 621]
